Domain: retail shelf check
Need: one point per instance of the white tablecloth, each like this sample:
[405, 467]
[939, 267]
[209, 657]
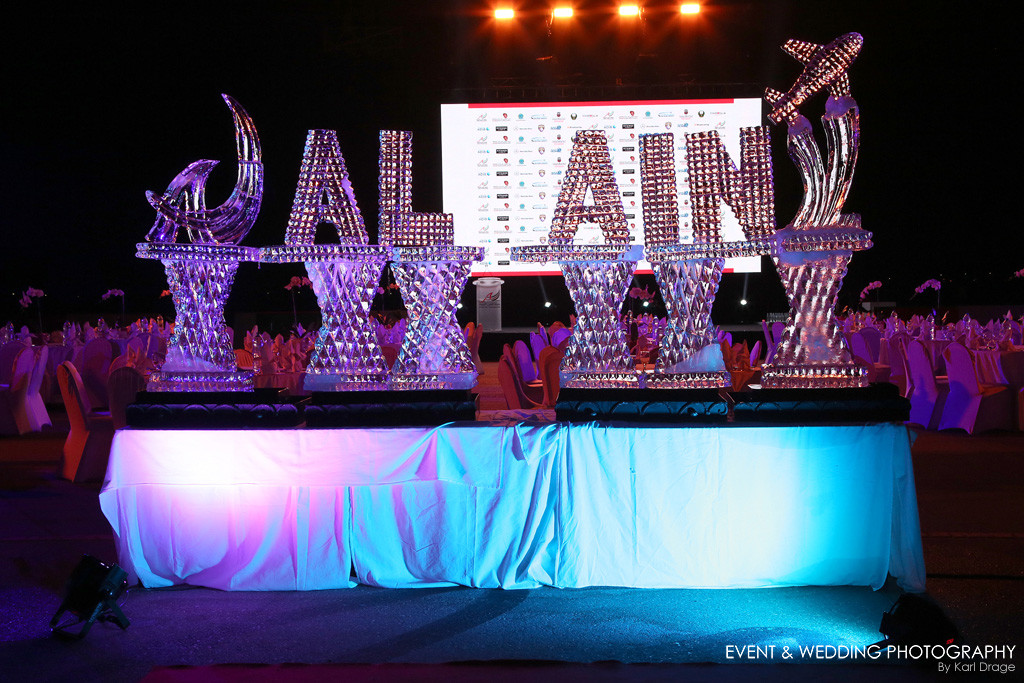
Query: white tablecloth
[516, 507]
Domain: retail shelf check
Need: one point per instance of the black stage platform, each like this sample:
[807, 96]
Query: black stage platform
[274, 409]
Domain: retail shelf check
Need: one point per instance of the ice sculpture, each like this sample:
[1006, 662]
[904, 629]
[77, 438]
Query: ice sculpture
[813, 251]
[431, 273]
[344, 276]
[200, 357]
[598, 276]
[689, 274]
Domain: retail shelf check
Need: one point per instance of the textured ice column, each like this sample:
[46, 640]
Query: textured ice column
[434, 353]
[598, 351]
[398, 223]
[200, 356]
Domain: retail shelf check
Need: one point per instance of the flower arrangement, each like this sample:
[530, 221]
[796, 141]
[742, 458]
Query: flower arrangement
[27, 297]
[867, 290]
[928, 284]
[118, 293]
[1019, 273]
[295, 284]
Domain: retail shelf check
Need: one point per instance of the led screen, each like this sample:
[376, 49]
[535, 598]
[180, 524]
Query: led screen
[502, 166]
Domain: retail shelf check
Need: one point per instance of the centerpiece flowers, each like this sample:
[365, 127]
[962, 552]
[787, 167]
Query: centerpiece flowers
[294, 285]
[867, 290]
[118, 293]
[27, 297]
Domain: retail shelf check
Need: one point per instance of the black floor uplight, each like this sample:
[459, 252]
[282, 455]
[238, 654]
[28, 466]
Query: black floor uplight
[913, 620]
[91, 594]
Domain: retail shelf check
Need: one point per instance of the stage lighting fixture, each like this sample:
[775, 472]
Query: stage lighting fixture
[913, 620]
[504, 13]
[689, 8]
[743, 302]
[91, 594]
[562, 12]
[629, 10]
[547, 304]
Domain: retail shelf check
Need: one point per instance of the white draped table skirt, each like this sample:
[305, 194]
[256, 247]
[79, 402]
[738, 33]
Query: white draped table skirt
[473, 504]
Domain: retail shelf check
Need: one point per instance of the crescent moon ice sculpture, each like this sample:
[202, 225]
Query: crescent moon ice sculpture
[227, 223]
[200, 355]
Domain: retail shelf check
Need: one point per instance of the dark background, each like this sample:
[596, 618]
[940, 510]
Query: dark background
[102, 104]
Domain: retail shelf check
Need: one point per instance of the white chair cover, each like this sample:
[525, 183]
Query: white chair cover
[30, 411]
[929, 393]
[973, 406]
[14, 391]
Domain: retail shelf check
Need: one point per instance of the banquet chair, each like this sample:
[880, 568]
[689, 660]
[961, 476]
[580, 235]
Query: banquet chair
[548, 364]
[533, 390]
[474, 333]
[8, 353]
[30, 411]
[390, 353]
[243, 359]
[778, 328]
[898, 373]
[123, 386]
[543, 332]
[87, 447]
[560, 337]
[14, 391]
[873, 338]
[928, 397]
[863, 356]
[95, 366]
[972, 406]
[527, 370]
[537, 343]
[515, 397]
[755, 355]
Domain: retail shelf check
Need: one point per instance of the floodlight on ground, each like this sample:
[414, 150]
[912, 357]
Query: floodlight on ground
[504, 13]
[563, 12]
[91, 594]
[914, 620]
[629, 10]
[689, 8]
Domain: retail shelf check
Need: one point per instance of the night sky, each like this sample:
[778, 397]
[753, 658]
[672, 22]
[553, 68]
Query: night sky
[100, 106]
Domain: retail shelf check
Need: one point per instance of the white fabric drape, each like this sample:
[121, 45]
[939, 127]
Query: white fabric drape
[516, 506]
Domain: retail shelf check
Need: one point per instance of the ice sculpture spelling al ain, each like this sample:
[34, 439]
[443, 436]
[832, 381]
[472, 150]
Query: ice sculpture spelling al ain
[200, 356]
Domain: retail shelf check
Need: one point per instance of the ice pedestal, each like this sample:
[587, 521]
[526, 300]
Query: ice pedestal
[200, 356]
[346, 356]
[812, 263]
[434, 352]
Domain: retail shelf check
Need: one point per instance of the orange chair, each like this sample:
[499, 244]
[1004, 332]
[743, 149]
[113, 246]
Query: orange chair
[87, 447]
